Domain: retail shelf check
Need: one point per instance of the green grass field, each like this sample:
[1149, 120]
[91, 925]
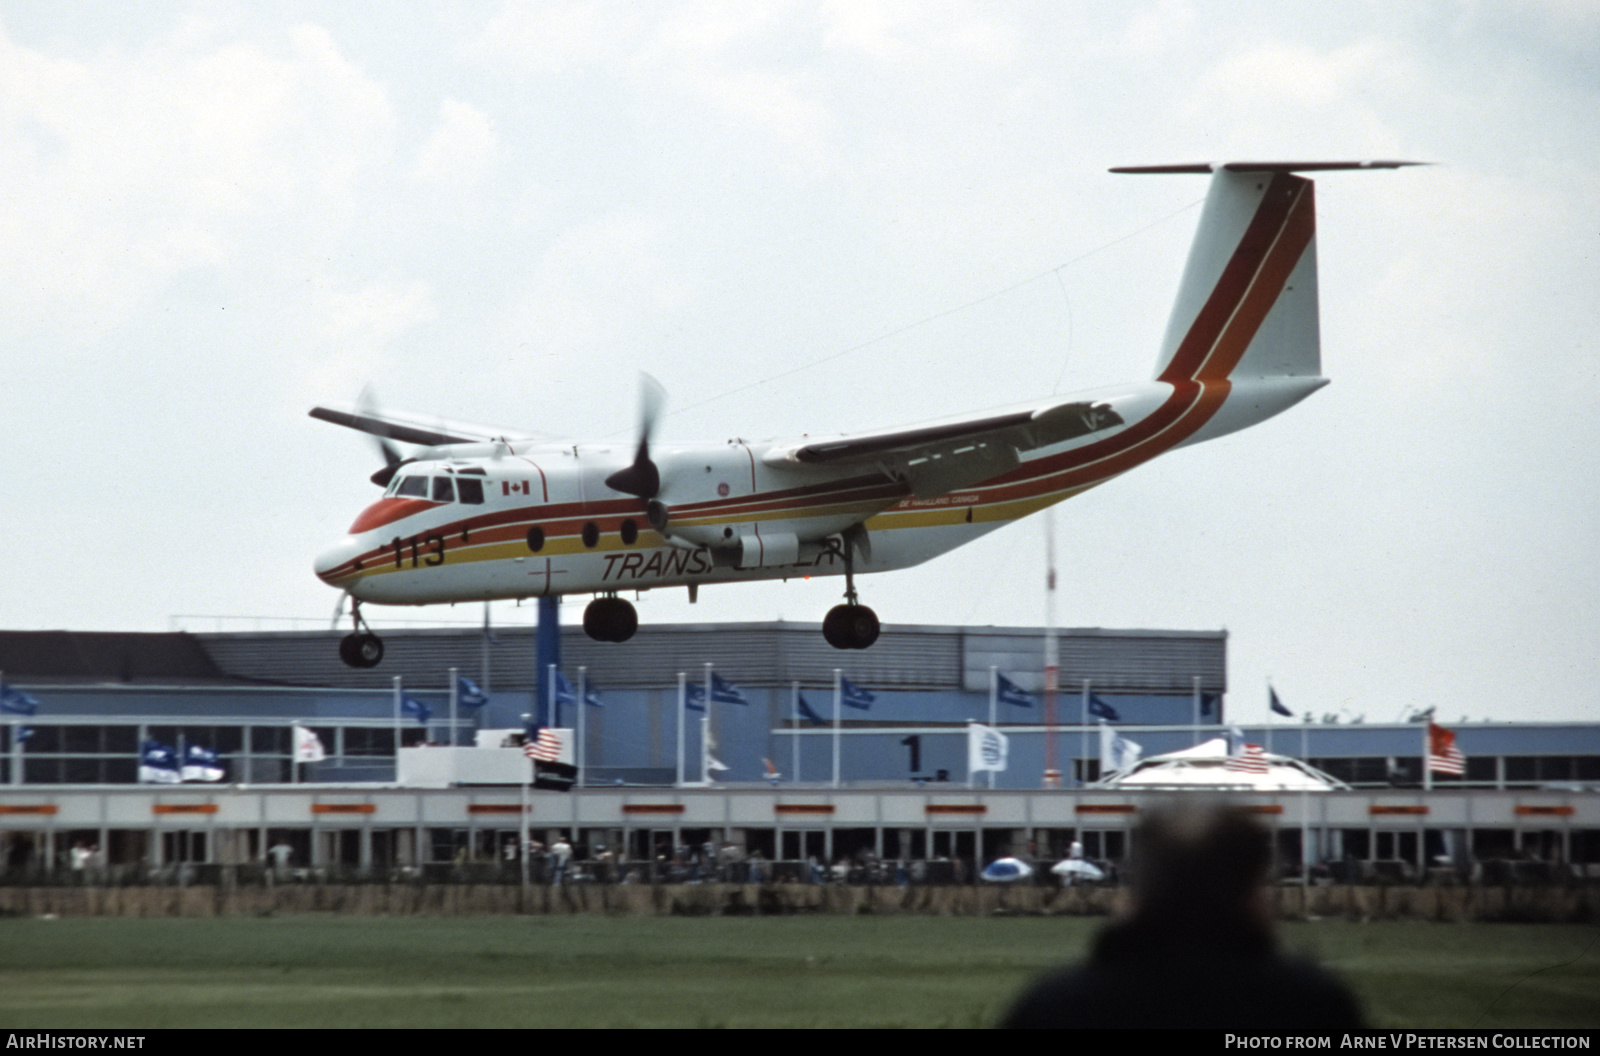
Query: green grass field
[802, 971]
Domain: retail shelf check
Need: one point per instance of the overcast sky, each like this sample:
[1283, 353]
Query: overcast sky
[216, 216]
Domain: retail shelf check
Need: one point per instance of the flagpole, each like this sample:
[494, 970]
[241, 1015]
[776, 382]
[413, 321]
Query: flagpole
[794, 775]
[553, 713]
[397, 692]
[683, 703]
[583, 714]
[1428, 752]
[1052, 767]
[1196, 727]
[705, 726]
[994, 690]
[454, 692]
[1083, 734]
[483, 667]
[972, 775]
[837, 693]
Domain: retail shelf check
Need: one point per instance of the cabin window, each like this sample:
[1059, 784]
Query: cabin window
[444, 489]
[413, 487]
[469, 490]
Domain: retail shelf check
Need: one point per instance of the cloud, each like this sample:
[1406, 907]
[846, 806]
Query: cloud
[462, 147]
[129, 168]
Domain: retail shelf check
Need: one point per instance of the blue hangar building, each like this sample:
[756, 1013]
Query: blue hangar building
[98, 697]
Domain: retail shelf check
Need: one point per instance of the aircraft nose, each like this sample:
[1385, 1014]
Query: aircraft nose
[334, 563]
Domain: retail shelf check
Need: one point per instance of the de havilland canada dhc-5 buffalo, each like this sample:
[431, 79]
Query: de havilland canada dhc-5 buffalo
[478, 513]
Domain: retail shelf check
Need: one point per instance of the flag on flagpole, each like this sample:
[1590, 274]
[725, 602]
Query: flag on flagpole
[1277, 705]
[987, 748]
[1099, 709]
[158, 764]
[410, 705]
[1252, 759]
[468, 695]
[1008, 692]
[547, 744]
[725, 692]
[14, 701]
[1117, 753]
[201, 764]
[308, 746]
[1443, 755]
[853, 696]
[808, 713]
[694, 696]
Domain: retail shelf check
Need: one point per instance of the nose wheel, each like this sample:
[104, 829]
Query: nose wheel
[362, 648]
[610, 619]
[851, 625]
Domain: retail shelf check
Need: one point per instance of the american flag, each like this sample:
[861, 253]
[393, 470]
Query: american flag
[1443, 755]
[1252, 759]
[545, 746]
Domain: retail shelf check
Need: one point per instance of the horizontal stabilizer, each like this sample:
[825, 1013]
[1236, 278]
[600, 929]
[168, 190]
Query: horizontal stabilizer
[1263, 166]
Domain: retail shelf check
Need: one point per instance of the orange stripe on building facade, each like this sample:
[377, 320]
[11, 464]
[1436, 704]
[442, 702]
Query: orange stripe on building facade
[803, 808]
[344, 808]
[956, 808]
[1534, 810]
[1390, 809]
[494, 808]
[652, 808]
[29, 808]
[184, 808]
[1105, 808]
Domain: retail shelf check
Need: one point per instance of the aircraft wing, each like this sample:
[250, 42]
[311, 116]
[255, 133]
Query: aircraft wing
[943, 456]
[411, 428]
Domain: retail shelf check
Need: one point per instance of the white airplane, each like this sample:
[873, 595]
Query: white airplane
[479, 513]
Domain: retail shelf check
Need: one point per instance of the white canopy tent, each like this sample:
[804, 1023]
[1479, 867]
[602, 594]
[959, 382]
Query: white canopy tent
[1205, 767]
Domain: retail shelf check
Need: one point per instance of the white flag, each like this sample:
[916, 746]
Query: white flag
[1117, 753]
[987, 748]
[308, 746]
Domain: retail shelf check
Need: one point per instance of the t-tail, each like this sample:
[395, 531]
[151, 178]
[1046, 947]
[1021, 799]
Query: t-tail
[1243, 335]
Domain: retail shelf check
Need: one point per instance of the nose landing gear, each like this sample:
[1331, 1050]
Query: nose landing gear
[362, 648]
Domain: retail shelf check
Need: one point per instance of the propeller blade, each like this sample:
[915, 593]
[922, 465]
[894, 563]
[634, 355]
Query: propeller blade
[366, 403]
[642, 478]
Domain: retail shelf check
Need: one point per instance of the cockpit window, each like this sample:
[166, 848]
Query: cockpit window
[471, 491]
[444, 489]
[413, 487]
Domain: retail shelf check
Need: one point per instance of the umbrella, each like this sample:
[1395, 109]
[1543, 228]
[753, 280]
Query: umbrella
[1007, 870]
[1077, 869]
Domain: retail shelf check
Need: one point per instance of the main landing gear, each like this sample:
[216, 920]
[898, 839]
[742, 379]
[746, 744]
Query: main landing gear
[361, 648]
[851, 625]
[610, 619]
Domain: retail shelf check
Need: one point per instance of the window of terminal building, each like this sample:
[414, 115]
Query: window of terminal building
[1522, 769]
[1483, 768]
[368, 741]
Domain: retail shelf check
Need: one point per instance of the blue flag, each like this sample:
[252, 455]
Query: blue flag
[1276, 704]
[23, 733]
[201, 764]
[1011, 693]
[1208, 703]
[1099, 709]
[565, 694]
[14, 701]
[468, 695]
[158, 764]
[725, 692]
[808, 714]
[415, 708]
[853, 696]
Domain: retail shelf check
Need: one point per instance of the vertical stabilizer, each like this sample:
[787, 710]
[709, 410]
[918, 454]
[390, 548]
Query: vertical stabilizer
[1247, 305]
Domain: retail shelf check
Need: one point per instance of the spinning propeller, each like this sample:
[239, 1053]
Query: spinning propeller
[642, 478]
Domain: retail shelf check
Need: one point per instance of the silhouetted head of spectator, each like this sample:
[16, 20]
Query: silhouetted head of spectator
[1200, 867]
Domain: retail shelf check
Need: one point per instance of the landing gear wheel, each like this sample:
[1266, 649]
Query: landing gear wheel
[361, 650]
[610, 620]
[850, 627]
